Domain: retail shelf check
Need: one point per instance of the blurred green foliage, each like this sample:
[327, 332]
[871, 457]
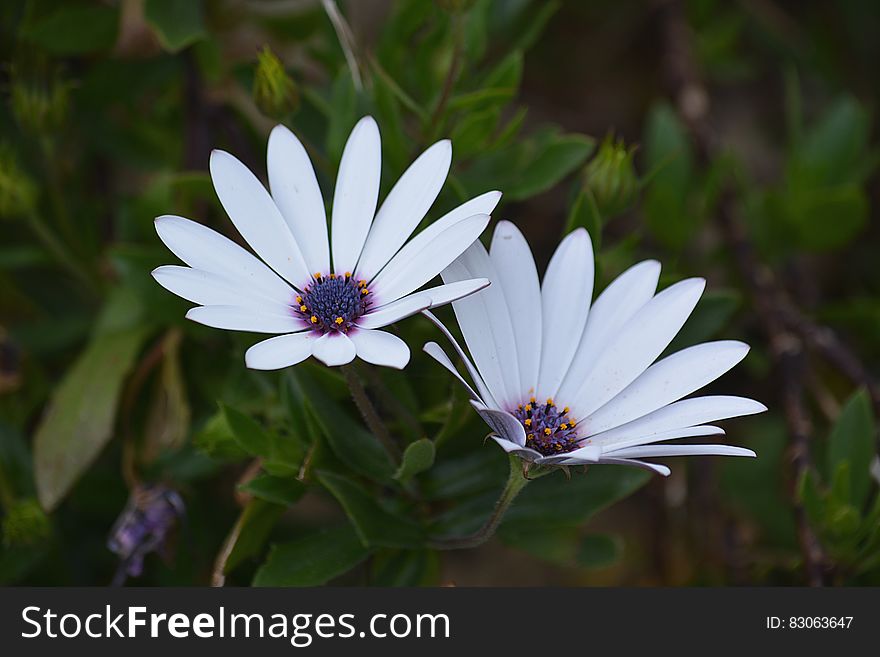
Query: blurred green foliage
[109, 115]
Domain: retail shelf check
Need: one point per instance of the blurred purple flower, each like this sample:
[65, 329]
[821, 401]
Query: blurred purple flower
[143, 526]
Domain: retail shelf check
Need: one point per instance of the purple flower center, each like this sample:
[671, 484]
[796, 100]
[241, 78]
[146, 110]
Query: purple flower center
[332, 303]
[549, 430]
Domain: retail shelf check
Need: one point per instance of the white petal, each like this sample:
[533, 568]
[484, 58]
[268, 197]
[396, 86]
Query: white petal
[334, 349]
[380, 348]
[203, 248]
[565, 302]
[513, 448]
[637, 345]
[485, 394]
[256, 217]
[476, 262]
[443, 294]
[644, 465]
[436, 352]
[489, 339]
[280, 351]
[612, 309]
[240, 318]
[503, 424]
[482, 204]
[208, 289]
[356, 195]
[426, 255]
[517, 277]
[667, 381]
[656, 451]
[297, 194]
[582, 455]
[610, 449]
[395, 311]
[685, 413]
[404, 208]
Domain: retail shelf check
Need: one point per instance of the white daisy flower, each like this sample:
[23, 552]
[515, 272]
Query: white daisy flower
[561, 382]
[327, 295]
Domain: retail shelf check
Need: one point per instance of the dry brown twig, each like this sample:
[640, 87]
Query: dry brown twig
[787, 329]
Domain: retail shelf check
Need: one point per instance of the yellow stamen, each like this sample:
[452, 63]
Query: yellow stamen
[348, 274]
[528, 422]
[364, 291]
[338, 321]
[563, 426]
[528, 407]
[566, 409]
[548, 431]
[362, 283]
[299, 299]
[303, 308]
[532, 399]
[317, 274]
[332, 275]
[314, 319]
[549, 401]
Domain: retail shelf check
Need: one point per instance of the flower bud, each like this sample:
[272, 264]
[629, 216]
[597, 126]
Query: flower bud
[25, 523]
[274, 91]
[611, 177]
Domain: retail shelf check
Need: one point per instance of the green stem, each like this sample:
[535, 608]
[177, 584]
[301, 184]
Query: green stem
[516, 481]
[368, 412]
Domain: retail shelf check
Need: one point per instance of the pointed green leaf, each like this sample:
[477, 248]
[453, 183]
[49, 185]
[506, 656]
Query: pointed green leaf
[247, 432]
[313, 559]
[278, 490]
[251, 531]
[374, 524]
[80, 416]
[852, 441]
[177, 24]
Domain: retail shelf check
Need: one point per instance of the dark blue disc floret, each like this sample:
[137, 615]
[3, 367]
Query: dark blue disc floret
[549, 430]
[332, 303]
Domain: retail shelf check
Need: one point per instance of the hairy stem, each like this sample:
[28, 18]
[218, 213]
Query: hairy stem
[516, 481]
[369, 413]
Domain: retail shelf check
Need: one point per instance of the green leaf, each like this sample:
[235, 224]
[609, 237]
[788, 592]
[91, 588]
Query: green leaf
[554, 158]
[852, 441]
[251, 531]
[313, 559]
[417, 457]
[825, 218]
[834, 149]
[599, 550]
[177, 24]
[351, 443]
[247, 432]
[669, 156]
[406, 568]
[375, 525]
[554, 500]
[73, 30]
[80, 416]
[279, 490]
